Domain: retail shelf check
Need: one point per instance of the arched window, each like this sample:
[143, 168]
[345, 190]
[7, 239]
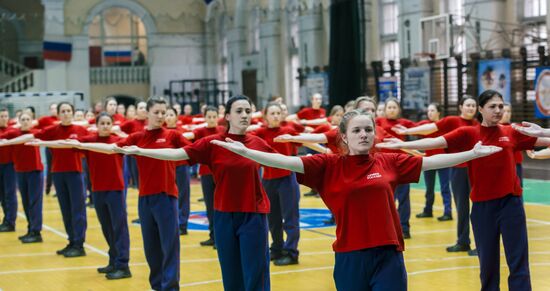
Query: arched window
[117, 38]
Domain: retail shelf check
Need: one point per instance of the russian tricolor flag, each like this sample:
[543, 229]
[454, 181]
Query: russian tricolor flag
[57, 51]
[115, 57]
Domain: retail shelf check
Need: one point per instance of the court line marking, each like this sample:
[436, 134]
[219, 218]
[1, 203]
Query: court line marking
[59, 233]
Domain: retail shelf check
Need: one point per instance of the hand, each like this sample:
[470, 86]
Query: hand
[130, 150]
[283, 138]
[531, 154]
[483, 151]
[390, 143]
[35, 143]
[71, 142]
[529, 129]
[399, 129]
[231, 145]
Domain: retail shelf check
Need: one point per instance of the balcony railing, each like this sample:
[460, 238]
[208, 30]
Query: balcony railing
[18, 84]
[119, 75]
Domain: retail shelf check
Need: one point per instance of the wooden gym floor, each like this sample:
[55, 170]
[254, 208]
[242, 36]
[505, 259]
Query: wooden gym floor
[429, 266]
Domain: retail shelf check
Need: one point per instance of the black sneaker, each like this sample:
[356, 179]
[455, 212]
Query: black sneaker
[458, 248]
[7, 228]
[406, 235]
[136, 221]
[119, 274]
[74, 252]
[273, 256]
[424, 215]
[24, 236]
[472, 253]
[106, 269]
[208, 242]
[34, 237]
[285, 261]
[63, 250]
[183, 230]
[200, 200]
[445, 217]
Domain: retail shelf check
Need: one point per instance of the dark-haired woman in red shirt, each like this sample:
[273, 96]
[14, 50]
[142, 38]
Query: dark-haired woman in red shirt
[358, 189]
[497, 209]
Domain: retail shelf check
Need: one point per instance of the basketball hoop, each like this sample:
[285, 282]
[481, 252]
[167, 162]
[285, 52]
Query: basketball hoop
[424, 56]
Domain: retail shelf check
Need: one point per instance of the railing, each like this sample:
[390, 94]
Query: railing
[11, 68]
[19, 83]
[119, 75]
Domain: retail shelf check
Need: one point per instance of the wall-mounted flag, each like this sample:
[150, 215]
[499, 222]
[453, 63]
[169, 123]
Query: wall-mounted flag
[117, 57]
[57, 51]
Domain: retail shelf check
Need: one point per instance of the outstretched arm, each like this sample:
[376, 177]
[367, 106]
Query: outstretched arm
[421, 144]
[317, 121]
[56, 144]
[159, 154]
[18, 140]
[302, 138]
[449, 160]
[539, 155]
[423, 129]
[532, 129]
[290, 163]
[317, 147]
[543, 142]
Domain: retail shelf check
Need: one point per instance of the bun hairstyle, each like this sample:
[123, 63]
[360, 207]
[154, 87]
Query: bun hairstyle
[343, 126]
[484, 98]
[230, 102]
[152, 101]
[103, 114]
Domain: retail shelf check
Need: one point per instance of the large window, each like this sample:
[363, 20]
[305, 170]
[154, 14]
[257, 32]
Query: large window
[117, 38]
[390, 50]
[253, 31]
[534, 8]
[389, 17]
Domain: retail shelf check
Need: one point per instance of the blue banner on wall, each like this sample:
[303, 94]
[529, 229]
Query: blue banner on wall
[387, 87]
[495, 75]
[416, 88]
[542, 92]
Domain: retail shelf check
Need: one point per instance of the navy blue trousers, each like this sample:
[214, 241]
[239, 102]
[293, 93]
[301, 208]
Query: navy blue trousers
[444, 177]
[402, 195]
[184, 194]
[376, 269]
[243, 252]
[110, 207]
[72, 201]
[208, 187]
[134, 175]
[8, 193]
[284, 197]
[161, 240]
[490, 220]
[48, 152]
[31, 185]
[87, 182]
[519, 172]
[460, 184]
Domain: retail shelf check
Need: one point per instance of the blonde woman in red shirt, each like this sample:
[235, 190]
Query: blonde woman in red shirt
[358, 189]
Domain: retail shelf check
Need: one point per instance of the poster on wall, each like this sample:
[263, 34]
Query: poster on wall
[315, 83]
[495, 75]
[542, 92]
[387, 87]
[416, 88]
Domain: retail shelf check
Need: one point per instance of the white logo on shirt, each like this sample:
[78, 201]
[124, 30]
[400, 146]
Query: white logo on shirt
[73, 136]
[161, 140]
[374, 176]
[504, 139]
